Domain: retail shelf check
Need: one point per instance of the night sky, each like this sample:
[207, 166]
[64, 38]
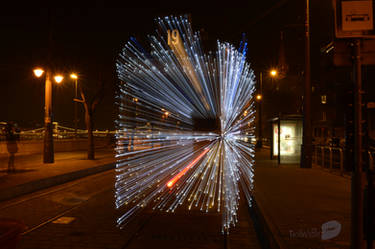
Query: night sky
[87, 37]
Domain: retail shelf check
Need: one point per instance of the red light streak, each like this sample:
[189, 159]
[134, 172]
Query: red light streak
[182, 172]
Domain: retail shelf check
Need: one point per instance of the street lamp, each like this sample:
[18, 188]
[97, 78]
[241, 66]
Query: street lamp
[48, 152]
[75, 78]
[38, 72]
[59, 79]
[135, 100]
[259, 97]
[307, 137]
[273, 73]
[134, 127]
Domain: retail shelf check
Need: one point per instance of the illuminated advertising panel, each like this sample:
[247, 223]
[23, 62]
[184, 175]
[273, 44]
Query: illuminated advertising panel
[288, 139]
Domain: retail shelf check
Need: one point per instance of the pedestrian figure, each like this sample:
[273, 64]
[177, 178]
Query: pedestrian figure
[11, 140]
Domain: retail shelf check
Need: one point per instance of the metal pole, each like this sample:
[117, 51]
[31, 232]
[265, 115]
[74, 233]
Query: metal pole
[75, 109]
[278, 139]
[330, 158]
[357, 241]
[341, 162]
[306, 144]
[260, 111]
[48, 155]
[48, 151]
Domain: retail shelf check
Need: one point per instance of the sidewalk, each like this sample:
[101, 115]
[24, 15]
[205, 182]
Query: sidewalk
[32, 175]
[294, 203]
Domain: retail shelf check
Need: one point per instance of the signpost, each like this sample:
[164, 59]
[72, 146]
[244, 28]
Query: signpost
[354, 21]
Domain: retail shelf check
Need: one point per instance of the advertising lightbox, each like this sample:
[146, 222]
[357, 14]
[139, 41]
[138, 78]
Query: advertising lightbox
[290, 140]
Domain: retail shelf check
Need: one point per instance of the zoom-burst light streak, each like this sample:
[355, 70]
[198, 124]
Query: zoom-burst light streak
[189, 166]
[166, 159]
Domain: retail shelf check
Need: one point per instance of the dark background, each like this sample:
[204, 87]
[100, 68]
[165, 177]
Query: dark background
[88, 35]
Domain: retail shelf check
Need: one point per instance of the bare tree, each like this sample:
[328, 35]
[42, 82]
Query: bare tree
[90, 105]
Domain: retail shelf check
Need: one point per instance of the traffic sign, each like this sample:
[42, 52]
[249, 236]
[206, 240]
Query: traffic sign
[354, 19]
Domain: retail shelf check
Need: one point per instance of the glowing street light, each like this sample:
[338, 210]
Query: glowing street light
[74, 76]
[165, 114]
[38, 72]
[58, 78]
[273, 73]
[48, 151]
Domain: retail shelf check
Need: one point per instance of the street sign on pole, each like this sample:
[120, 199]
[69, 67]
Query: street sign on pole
[354, 19]
[356, 16]
[306, 147]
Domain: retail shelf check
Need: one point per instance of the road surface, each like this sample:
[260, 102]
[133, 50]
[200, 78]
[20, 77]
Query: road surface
[81, 214]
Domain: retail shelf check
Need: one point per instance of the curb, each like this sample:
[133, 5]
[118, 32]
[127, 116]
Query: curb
[266, 230]
[29, 187]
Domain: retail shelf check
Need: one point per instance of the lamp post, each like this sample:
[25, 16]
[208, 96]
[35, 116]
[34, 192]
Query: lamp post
[307, 138]
[273, 73]
[75, 78]
[48, 152]
[259, 97]
[134, 128]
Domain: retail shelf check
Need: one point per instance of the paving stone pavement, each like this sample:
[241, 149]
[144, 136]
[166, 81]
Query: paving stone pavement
[298, 201]
[32, 175]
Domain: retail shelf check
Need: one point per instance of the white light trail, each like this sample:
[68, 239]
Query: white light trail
[166, 158]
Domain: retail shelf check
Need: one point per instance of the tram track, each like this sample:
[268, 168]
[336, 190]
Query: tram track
[52, 190]
[62, 214]
[92, 198]
[67, 189]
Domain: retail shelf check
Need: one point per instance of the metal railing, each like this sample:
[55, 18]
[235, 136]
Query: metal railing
[333, 158]
[59, 132]
[329, 157]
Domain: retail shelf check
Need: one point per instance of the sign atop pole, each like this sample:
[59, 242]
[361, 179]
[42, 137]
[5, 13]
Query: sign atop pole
[354, 19]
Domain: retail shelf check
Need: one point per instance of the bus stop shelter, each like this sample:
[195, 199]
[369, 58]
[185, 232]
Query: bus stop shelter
[286, 138]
